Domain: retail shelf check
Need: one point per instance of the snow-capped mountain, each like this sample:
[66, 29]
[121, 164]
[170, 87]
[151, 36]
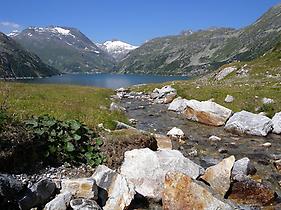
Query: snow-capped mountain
[65, 48]
[117, 49]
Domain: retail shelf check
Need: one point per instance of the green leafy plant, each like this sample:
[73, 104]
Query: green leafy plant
[67, 140]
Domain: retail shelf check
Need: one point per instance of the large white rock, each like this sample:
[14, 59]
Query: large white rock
[146, 169]
[276, 120]
[207, 112]
[176, 133]
[159, 93]
[249, 123]
[224, 72]
[120, 192]
[60, 202]
[178, 105]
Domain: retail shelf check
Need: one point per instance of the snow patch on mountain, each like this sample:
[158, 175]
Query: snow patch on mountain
[117, 49]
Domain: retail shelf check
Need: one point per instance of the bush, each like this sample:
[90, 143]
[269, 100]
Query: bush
[67, 140]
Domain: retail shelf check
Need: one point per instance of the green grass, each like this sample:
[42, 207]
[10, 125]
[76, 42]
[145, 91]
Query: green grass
[87, 104]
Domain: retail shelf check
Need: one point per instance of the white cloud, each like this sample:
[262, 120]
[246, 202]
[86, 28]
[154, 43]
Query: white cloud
[8, 26]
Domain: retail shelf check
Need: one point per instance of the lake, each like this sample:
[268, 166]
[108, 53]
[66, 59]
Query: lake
[104, 80]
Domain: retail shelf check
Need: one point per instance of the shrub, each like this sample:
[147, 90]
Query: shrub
[69, 140]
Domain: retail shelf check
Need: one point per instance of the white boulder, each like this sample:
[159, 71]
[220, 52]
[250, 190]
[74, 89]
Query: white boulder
[60, 202]
[207, 112]
[249, 123]
[146, 169]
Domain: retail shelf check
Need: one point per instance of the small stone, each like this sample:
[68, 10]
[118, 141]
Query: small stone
[222, 150]
[169, 98]
[214, 138]
[277, 165]
[229, 99]
[267, 144]
[163, 142]
[176, 133]
[267, 101]
[116, 107]
[133, 121]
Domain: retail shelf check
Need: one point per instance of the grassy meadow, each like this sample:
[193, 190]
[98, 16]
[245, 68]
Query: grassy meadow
[89, 105]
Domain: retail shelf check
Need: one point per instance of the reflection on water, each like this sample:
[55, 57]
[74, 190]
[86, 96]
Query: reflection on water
[104, 80]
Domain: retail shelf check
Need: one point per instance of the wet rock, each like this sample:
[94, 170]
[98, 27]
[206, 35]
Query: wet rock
[218, 176]
[146, 169]
[84, 204]
[119, 194]
[163, 142]
[222, 150]
[224, 72]
[169, 98]
[249, 123]
[38, 195]
[10, 189]
[243, 167]
[276, 120]
[207, 112]
[182, 193]
[82, 187]
[267, 101]
[178, 105]
[248, 191]
[229, 99]
[116, 107]
[277, 165]
[176, 133]
[214, 138]
[60, 202]
[133, 121]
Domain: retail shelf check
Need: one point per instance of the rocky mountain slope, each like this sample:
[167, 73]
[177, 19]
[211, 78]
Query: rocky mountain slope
[66, 49]
[205, 50]
[117, 49]
[17, 62]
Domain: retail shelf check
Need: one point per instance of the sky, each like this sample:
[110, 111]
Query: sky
[132, 21]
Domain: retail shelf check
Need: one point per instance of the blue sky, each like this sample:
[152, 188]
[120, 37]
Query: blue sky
[133, 21]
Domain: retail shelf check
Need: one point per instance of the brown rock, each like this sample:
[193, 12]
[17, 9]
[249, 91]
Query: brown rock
[218, 176]
[169, 98]
[163, 142]
[183, 193]
[248, 191]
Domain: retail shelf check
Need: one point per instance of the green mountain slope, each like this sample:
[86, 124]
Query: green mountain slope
[17, 62]
[203, 51]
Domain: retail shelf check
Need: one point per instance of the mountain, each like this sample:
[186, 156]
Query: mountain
[65, 48]
[203, 51]
[15, 61]
[117, 49]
